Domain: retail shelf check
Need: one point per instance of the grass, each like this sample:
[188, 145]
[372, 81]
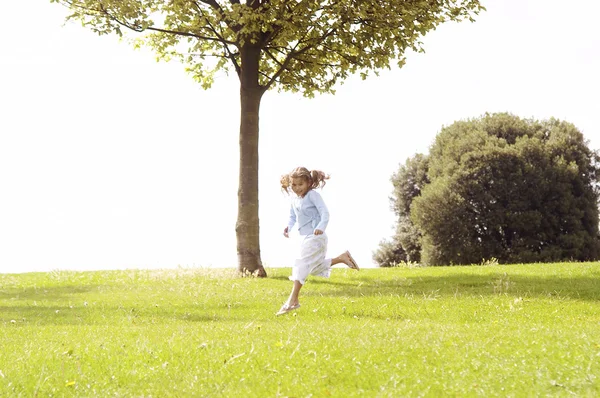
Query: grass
[513, 330]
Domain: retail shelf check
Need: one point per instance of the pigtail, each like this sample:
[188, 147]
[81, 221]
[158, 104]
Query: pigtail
[285, 183]
[318, 179]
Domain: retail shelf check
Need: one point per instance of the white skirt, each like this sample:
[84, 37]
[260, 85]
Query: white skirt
[312, 261]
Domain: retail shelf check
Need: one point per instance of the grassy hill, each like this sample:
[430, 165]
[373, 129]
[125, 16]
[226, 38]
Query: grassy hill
[515, 330]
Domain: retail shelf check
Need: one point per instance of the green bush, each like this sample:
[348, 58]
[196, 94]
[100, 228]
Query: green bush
[517, 190]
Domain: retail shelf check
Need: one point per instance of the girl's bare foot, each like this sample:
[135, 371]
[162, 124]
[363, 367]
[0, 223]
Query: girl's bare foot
[287, 308]
[350, 261]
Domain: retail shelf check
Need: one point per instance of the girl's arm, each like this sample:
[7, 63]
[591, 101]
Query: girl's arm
[319, 203]
[291, 220]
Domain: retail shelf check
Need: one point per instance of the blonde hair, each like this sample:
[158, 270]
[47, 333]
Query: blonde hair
[315, 178]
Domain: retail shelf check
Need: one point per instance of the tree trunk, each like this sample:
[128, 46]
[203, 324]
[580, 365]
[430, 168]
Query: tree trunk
[247, 226]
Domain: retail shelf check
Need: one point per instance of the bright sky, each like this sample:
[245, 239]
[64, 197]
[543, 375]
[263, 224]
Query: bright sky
[109, 160]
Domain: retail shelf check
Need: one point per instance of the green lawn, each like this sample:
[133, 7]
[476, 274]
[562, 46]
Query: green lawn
[517, 330]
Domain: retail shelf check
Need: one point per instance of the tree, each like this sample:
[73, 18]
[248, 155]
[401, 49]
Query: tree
[513, 189]
[300, 46]
[408, 182]
[389, 253]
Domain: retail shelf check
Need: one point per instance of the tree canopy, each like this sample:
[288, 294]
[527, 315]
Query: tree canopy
[304, 45]
[517, 190]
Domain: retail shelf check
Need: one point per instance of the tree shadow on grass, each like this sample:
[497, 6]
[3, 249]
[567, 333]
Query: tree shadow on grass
[47, 293]
[102, 314]
[280, 278]
[61, 315]
[41, 315]
[564, 287]
[202, 315]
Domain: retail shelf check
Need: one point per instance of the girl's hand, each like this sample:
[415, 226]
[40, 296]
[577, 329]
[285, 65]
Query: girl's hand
[285, 232]
[318, 232]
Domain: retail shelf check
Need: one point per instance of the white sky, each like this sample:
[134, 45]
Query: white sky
[110, 160]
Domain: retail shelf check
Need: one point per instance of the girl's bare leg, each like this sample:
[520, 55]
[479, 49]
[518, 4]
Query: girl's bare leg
[293, 299]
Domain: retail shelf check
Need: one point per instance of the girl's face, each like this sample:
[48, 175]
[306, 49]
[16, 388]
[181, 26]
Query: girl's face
[300, 186]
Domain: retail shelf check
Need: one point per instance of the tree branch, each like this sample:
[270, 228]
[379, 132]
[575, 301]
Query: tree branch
[226, 43]
[266, 50]
[231, 57]
[179, 33]
[217, 7]
[293, 54]
[213, 4]
[103, 11]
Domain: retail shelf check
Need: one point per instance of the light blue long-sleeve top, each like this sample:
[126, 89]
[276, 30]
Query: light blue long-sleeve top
[309, 212]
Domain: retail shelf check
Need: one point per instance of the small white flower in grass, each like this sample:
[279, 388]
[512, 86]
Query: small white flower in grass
[13, 321]
[57, 311]
[85, 303]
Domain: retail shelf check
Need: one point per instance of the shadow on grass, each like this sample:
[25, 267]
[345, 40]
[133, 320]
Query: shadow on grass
[280, 278]
[112, 314]
[41, 315]
[61, 315]
[47, 293]
[564, 287]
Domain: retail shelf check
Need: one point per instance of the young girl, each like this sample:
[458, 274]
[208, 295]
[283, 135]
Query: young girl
[310, 213]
